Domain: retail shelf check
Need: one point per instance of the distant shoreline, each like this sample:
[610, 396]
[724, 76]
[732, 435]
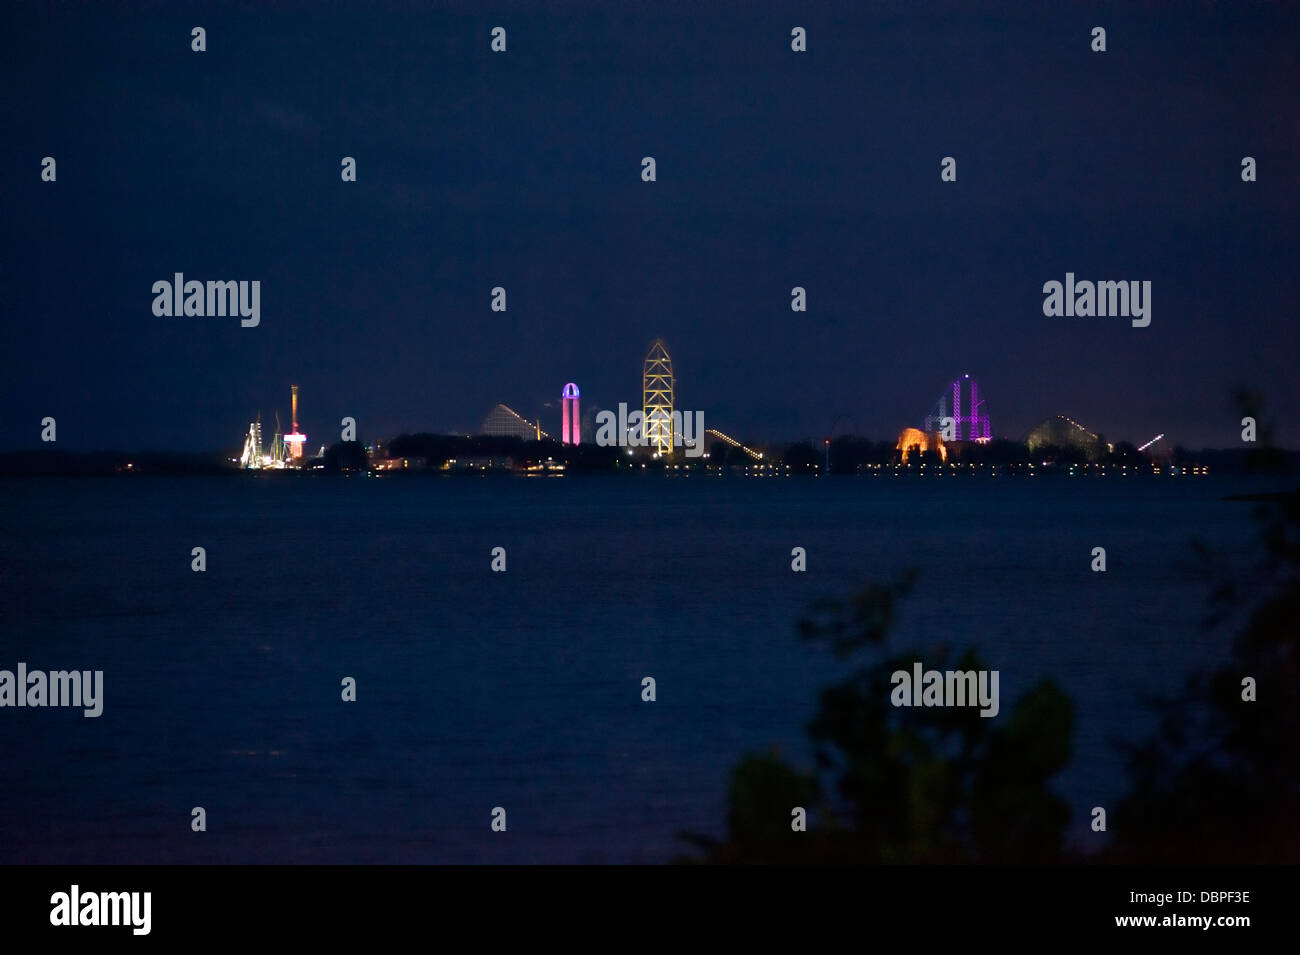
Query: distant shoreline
[1209, 462]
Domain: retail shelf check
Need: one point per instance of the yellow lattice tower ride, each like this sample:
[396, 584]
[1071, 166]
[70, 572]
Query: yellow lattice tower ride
[657, 398]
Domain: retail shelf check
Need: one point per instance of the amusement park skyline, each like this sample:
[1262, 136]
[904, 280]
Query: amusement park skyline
[523, 172]
[692, 432]
[960, 412]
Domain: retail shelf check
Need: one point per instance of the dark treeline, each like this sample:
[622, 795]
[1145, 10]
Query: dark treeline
[1255, 460]
[438, 449]
[93, 463]
[852, 455]
[848, 455]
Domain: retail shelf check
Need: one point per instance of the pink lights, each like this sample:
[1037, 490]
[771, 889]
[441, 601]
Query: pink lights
[571, 427]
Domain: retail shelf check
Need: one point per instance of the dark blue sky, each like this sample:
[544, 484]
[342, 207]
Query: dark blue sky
[522, 170]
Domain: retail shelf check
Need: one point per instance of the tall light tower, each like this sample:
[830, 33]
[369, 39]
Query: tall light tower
[657, 386]
[571, 425]
[295, 441]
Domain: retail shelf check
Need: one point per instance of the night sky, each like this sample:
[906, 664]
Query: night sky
[523, 170]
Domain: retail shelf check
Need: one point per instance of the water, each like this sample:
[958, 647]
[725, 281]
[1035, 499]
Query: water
[522, 689]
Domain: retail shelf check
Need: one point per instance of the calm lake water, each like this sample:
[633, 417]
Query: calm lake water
[477, 689]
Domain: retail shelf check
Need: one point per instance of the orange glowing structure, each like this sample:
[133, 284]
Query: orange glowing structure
[911, 438]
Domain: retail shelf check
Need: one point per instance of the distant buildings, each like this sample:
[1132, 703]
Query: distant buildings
[380, 463]
[479, 463]
[958, 418]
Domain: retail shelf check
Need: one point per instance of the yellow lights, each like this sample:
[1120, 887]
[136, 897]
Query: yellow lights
[728, 439]
[657, 389]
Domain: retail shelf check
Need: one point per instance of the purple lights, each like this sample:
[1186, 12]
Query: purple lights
[974, 424]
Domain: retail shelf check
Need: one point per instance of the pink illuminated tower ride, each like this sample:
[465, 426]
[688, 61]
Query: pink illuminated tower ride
[571, 430]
